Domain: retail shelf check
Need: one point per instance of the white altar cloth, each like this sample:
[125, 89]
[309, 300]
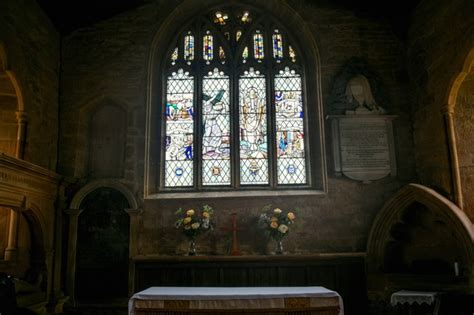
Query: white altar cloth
[231, 298]
[411, 297]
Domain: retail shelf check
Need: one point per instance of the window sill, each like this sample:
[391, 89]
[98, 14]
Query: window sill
[236, 194]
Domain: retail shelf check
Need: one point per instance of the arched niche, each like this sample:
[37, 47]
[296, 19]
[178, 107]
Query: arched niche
[78, 206]
[22, 244]
[102, 250]
[101, 135]
[12, 115]
[415, 241]
[464, 128]
[166, 31]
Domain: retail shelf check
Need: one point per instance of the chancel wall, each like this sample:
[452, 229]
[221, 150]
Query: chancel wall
[110, 60]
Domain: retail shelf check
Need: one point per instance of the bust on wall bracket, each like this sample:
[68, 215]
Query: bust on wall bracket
[358, 91]
[362, 138]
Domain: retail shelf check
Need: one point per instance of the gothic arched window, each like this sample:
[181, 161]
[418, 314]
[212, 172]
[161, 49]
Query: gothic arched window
[234, 108]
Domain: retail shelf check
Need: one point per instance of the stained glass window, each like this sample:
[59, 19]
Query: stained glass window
[277, 46]
[245, 18]
[253, 128]
[223, 129]
[292, 54]
[174, 56]
[221, 54]
[216, 168]
[291, 163]
[245, 54]
[208, 47]
[238, 34]
[179, 113]
[221, 18]
[258, 46]
[189, 47]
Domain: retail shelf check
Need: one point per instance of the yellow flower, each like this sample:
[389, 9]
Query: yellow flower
[190, 212]
[187, 220]
[283, 228]
[274, 225]
[205, 214]
[274, 219]
[291, 216]
[187, 227]
[277, 211]
[195, 225]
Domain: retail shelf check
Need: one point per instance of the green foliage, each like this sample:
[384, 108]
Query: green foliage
[276, 222]
[193, 223]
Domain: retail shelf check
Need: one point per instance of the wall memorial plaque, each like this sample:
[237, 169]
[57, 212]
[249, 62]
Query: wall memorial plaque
[363, 146]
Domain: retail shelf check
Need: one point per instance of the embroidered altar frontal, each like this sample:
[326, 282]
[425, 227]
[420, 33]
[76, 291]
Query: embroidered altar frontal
[239, 300]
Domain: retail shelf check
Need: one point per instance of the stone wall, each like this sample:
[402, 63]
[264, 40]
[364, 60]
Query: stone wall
[32, 48]
[108, 62]
[440, 37]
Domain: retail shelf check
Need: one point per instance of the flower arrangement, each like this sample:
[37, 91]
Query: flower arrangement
[193, 223]
[277, 223]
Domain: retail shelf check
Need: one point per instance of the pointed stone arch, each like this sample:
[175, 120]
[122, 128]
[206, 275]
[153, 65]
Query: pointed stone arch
[380, 278]
[87, 116]
[453, 90]
[164, 33]
[457, 120]
[12, 109]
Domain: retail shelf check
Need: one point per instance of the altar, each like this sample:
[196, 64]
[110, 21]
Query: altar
[236, 300]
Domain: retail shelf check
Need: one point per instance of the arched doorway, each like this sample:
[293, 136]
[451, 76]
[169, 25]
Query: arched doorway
[102, 246]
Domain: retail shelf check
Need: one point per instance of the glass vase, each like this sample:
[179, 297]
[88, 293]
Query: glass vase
[192, 247]
[279, 247]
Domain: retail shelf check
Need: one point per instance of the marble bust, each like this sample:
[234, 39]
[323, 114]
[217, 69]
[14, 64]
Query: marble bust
[358, 91]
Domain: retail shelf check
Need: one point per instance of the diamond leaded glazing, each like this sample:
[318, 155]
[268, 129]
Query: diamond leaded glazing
[290, 144]
[232, 138]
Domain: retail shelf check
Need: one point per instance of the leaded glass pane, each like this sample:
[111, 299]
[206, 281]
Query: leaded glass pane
[245, 17]
[179, 115]
[290, 170]
[245, 55]
[221, 54]
[254, 172]
[253, 129]
[178, 173]
[174, 56]
[292, 53]
[208, 47]
[290, 145]
[277, 46]
[189, 47]
[216, 129]
[220, 18]
[238, 34]
[258, 46]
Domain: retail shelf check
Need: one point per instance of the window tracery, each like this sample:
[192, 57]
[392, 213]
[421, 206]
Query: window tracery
[234, 110]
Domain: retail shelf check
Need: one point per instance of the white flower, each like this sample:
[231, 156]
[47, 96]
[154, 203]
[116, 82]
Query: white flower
[283, 228]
